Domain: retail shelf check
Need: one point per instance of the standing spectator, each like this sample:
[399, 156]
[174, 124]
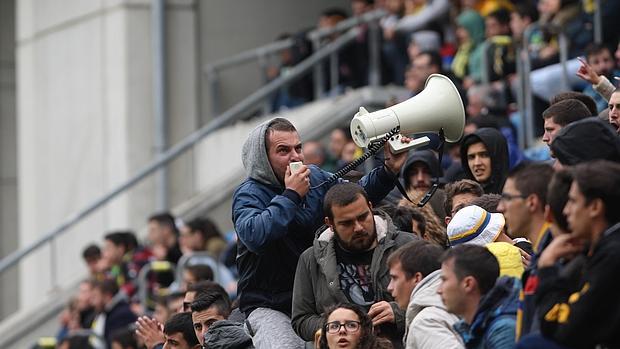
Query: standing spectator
[561, 114]
[585, 314]
[486, 154]
[347, 264]
[207, 309]
[469, 290]
[414, 280]
[523, 203]
[275, 215]
[458, 194]
[92, 257]
[614, 110]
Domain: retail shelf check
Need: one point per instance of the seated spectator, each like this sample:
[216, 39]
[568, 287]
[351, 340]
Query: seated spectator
[425, 15]
[179, 332]
[470, 291]
[585, 140]
[347, 325]
[163, 236]
[347, 263]
[113, 310]
[92, 256]
[598, 69]
[124, 339]
[561, 114]
[201, 234]
[409, 219]
[500, 52]
[458, 195]
[314, 154]
[195, 273]
[486, 154]
[394, 44]
[577, 302]
[470, 34]
[414, 279]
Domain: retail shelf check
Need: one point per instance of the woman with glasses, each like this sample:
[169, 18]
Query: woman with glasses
[348, 326]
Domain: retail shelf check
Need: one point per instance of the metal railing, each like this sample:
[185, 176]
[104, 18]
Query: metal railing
[318, 38]
[229, 116]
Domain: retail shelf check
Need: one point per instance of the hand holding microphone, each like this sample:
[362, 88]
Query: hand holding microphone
[297, 178]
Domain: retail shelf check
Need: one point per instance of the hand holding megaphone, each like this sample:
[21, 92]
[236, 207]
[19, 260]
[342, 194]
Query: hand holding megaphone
[437, 107]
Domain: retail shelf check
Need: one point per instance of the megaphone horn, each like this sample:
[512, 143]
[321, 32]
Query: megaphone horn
[438, 106]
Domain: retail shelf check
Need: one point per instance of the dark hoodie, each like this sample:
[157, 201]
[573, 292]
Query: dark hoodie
[586, 140]
[496, 145]
[275, 225]
[225, 334]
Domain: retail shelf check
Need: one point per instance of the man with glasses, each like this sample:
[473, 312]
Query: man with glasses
[523, 202]
[347, 264]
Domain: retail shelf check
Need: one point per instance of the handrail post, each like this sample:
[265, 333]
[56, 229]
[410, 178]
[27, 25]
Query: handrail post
[598, 22]
[318, 71]
[333, 72]
[564, 59]
[528, 117]
[521, 96]
[374, 54]
[485, 74]
[160, 98]
[262, 63]
[213, 79]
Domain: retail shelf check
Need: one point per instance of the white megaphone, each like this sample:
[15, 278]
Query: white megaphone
[437, 107]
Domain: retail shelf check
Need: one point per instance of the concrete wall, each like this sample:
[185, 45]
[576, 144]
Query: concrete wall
[86, 124]
[8, 155]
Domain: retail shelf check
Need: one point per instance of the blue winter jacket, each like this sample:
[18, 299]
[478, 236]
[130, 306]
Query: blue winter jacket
[493, 326]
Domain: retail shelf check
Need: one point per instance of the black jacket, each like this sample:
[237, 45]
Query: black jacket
[586, 140]
[580, 308]
[497, 147]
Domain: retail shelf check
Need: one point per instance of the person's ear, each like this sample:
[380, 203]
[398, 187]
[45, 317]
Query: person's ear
[596, 208]
[447, 220]
[469, 284]
[329, 223]
[418, 277]
[532, 202]
[370, 205]
[548, 215]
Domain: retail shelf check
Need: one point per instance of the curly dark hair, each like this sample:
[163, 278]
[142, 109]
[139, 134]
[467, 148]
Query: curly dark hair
[367, 336]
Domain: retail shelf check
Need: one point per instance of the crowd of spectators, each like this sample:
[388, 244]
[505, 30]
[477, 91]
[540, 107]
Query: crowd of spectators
[512, 250]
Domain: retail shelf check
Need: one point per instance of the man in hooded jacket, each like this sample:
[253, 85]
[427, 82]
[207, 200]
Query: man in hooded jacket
[275, 213]
[486, 154]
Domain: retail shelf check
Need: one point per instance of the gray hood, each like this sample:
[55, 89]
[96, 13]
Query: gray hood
[424, 295]
[254, 156]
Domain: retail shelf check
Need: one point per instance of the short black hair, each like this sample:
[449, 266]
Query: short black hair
[557, 196]
[91, 252]
[476, 261]
[501, 15]
[464, 186]
[107, 286]
[205, 301]
[417, 257]
[125, 337]
[340, 195]
[488, 202]
[580, 96]
[526, 9]
[182, 323]
[165, 219]
[403, 215]
[201, 272]
[204, 227]
[532, 178]
[599, 179]
[435, 58]
[595, 49]
[566, 111]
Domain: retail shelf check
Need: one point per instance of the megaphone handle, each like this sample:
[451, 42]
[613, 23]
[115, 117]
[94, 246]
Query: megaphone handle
[398, 147]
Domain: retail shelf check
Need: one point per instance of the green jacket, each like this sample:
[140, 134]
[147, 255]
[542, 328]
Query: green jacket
[317, 283]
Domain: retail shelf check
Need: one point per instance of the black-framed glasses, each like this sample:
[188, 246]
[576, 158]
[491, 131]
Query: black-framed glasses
[508, 197]
[349, 326]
